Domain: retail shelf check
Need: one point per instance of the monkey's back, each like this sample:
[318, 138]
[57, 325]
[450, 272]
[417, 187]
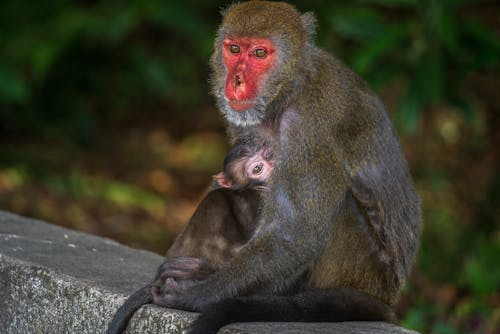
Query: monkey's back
[374, 238]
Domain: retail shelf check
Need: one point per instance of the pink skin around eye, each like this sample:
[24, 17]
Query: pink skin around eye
[264, 174]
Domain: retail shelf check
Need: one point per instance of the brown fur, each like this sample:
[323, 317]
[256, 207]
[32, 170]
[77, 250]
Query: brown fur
[223, 222]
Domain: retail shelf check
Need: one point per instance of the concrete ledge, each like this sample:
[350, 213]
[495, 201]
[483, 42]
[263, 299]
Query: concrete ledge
[54, 280]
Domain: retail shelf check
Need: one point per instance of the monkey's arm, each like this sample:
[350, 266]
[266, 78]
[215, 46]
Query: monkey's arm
[295, 225]
[389, 214]
[385, 201]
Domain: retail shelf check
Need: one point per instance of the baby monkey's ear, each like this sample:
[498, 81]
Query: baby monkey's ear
[222, 180]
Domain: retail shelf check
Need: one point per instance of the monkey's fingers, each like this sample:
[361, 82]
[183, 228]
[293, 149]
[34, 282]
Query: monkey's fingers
[188, 263]
[185, 264]
[176, 274]
[158, 297]
[185, 268]
[165, 295]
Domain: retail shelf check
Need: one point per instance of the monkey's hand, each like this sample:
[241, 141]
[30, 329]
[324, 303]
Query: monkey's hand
[176, 281]
[170, 292]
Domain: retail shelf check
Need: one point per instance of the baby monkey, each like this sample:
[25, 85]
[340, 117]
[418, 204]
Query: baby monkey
[246, 167]
[223, 222]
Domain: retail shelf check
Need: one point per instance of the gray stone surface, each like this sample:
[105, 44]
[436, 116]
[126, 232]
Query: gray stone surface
[54, 280]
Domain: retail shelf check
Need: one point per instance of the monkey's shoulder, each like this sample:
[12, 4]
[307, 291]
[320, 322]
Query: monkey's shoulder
[338, 82]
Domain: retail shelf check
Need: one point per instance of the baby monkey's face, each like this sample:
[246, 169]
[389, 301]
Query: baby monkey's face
[244, 168]
[258, 167]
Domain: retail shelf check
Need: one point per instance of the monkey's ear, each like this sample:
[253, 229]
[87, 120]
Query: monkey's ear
[222, 180]
[309, 23]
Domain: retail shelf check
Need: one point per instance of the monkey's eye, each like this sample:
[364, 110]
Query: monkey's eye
[257, 169]
[234, 48]
[260, 53]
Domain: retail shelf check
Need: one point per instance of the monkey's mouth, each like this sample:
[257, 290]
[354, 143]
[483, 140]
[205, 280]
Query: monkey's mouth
[241, 105]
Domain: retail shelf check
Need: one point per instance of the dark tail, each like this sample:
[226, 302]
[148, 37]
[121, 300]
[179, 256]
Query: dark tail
[126, 311]
[332, 305]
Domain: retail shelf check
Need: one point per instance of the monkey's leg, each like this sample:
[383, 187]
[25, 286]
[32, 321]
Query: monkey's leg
[320, 305]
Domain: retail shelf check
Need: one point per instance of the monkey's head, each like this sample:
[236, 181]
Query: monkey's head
[246, 168]
[256, 53]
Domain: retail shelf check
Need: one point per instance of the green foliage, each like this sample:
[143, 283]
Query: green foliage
[68, 68]
[428, 45]
[481, 270]
[80, 186]
[72, 67]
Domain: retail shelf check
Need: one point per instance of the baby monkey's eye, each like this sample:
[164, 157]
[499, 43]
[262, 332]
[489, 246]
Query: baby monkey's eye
[257, 169]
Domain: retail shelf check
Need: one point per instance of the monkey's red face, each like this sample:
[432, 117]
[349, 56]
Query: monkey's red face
[247, 61]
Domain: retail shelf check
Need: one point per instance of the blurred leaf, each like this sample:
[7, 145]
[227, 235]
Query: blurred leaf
[442, 328]
[376, 48]
[429, 79]
[121, 24]
[200, 152]
[482, 274]
[44, 56]
[155, 74]
[409, 112]
[112, 191]
[483, 41]
[464, 107]
[380, 76]
[12, 87]
[13, 177]
[440, 20]
[358, 23]
[178, 16]
[415, 318]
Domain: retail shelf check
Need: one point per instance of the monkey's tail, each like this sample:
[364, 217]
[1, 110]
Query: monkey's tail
[329, 305]
[126, 311]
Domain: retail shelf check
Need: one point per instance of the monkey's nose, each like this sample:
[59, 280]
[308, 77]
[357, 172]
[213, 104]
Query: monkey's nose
[237, 81]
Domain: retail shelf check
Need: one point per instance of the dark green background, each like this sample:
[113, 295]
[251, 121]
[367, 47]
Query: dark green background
[107, 126]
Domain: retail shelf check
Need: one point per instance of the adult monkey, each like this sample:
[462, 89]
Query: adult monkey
[341, 221]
